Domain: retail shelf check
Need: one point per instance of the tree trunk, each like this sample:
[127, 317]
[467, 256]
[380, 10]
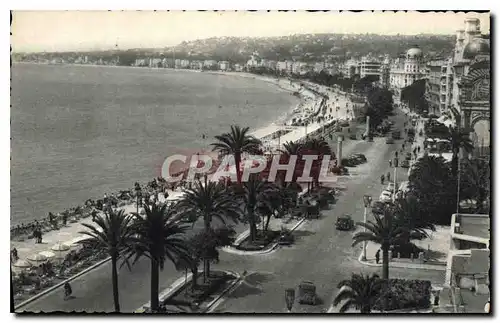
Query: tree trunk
[237, 161]
[385, 262]
[114, 280]
[155, 273]
[194, 278]
[454, 165]
[365, 309]
[251, 221]
[206, 261]
[267, 223]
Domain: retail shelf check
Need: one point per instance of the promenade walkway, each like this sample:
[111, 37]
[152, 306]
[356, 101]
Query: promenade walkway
[68, 235]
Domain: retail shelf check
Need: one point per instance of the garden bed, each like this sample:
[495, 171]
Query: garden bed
[405, 294]
[263, 241]
[204, 293]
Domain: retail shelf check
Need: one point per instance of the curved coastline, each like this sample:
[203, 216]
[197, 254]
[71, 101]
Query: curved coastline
[268, 80]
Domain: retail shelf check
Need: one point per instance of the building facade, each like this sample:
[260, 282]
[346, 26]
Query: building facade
[459, 88]
[405, 71]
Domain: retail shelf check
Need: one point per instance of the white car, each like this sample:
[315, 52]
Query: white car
[390, 187]
[386, 196]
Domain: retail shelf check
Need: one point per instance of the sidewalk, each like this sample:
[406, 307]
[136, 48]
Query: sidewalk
[68, 235]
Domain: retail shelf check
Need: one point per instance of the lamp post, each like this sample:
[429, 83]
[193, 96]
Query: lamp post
[289, 298]
[367, 200]
[395, 163]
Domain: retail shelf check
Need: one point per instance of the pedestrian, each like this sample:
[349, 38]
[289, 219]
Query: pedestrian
[388, 176]
[94, 215]
[382, 178]
[64, 219]
[418, 149]
[67, 291]
[390, 162]
[403, 146]
[15, 256]
[377, 256]
[39, 235]
[35, 235]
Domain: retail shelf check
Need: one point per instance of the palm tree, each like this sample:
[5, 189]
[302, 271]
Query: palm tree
[459, 139]
[409, 214]
[158, 237]
[384, 231]
[207, 202]
[113, 231]
[317, 147]
[235, 143]
[359, 292]
[292, 149]
[255, 192]
[475, 182]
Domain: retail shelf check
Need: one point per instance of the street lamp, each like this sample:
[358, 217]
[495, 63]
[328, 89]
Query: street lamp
[395, 163]
[367, 200]
[289, 298]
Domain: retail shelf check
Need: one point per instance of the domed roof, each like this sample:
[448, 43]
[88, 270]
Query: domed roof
[414, 53]
[475, 47]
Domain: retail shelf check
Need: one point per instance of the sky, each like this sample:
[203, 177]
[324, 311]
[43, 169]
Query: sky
[34, 31]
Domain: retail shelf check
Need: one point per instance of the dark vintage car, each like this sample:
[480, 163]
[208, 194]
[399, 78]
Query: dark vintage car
[344, 223]
[405, 164]
[307, 293]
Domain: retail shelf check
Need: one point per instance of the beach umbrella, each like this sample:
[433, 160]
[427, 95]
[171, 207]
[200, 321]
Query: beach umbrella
[37, 258]
[76, 241]
[48, 254]
[22, 264]
[60, 247]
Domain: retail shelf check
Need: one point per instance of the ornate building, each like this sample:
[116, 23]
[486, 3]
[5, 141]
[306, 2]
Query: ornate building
[461, 89]
[405, 71]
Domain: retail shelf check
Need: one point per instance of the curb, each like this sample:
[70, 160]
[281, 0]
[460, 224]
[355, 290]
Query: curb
[50, 289]
[181, 281]
[407, 266]
[272, 248]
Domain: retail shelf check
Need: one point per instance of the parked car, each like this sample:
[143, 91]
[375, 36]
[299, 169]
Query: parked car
[307, 293]
[389, 140]
[405, 164]
[390, 187]
[361, 157]
[396, 134]
[386, 196]
[344, 223]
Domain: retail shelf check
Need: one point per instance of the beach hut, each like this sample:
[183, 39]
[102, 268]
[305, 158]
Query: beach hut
[36, 259]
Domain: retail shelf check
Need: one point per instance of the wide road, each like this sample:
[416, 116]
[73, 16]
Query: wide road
[321, 254]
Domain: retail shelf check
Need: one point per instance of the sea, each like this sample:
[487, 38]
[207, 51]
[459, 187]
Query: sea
[78, 132]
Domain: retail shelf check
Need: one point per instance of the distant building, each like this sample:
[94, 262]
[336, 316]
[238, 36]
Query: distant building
[238, 68]
[369, 66]
[196, 65]
[224, 66]
[184, 63]
[437, 94]
[405, 71]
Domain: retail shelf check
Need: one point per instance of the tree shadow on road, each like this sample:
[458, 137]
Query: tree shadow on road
[302, 233]
[251, 285]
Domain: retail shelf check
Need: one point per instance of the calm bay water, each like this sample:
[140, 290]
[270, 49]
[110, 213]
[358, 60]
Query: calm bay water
[80, 131]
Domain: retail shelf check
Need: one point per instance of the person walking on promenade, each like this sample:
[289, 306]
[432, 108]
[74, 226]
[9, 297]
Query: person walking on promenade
[64, 219]
[39, 235]
[418, 149]
[388, 176]
[377, 256]
[382, 178]
[390, 162]
[67, 291]
[15, 256]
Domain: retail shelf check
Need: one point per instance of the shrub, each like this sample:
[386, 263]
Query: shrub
[405, 294]
[405, 250]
